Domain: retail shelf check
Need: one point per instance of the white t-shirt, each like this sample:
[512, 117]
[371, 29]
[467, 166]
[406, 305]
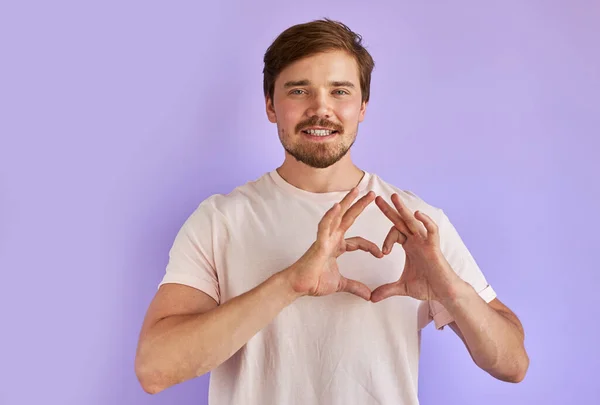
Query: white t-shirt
[333, 350]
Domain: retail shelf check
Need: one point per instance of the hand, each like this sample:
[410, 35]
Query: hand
[427, 275]
[316, 273]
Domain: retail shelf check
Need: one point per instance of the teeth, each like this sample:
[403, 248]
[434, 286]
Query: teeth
[319, 132]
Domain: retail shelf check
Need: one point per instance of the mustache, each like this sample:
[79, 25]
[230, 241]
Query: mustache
[319, 122]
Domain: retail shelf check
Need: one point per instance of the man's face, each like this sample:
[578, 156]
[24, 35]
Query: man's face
[317, 107]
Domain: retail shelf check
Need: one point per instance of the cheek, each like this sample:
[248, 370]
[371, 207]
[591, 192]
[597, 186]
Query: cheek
[290, 114]
[349, 112]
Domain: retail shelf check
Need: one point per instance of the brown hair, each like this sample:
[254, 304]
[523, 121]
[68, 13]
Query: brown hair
[302, 40]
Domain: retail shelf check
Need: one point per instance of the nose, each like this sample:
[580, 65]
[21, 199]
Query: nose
[319, 105]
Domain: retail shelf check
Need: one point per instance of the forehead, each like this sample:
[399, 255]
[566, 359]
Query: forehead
[322, 68]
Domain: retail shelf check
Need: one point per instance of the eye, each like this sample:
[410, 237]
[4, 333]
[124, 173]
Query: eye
[341, 92]
[297, 91]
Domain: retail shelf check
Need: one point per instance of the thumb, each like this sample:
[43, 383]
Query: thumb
[387, 290]
[355, 287]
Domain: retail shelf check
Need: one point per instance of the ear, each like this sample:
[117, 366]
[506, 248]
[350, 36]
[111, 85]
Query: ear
[363, 110]
[270, 110]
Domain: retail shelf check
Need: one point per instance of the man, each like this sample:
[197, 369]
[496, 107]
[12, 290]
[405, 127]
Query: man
[266, 287]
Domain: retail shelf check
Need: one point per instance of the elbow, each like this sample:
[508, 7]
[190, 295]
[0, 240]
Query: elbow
[149, 384]
[148, 377]
[517, 373]
[521, 372]
[150, 388]
[154, 378]
[515, 378]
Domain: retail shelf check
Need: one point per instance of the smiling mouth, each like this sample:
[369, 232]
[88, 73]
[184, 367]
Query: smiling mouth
[319, 132]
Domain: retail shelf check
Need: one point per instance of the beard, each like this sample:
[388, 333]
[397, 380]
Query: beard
[318, 154]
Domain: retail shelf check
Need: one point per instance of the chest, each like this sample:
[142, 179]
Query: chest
[266, 242]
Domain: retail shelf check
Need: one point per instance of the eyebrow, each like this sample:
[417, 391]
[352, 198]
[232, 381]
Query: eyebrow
[343, 83]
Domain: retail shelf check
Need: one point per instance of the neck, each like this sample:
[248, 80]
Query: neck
[341, 176]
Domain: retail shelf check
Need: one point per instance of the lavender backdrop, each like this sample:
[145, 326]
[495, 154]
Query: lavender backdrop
[118, 118]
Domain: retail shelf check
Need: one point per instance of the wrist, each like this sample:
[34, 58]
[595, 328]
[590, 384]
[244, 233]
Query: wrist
[289, 284]
[446, 285]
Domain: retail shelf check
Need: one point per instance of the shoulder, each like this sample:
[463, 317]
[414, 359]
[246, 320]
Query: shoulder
[225, 206]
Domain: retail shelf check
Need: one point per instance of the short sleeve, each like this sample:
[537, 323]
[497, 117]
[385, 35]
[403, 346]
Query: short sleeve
[192, 255]
[462, 262]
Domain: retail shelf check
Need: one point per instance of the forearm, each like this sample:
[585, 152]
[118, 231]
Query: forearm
[182, 347]
[494, 341]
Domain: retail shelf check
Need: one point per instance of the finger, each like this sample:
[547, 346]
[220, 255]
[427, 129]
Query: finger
[407, 216]
[393, 236]
[344, 204]
[347, 200]
[356, 209]
[356, 243]
[387, 290]
[324, 228]
[392, 215]
[430, 225]
[355, 287]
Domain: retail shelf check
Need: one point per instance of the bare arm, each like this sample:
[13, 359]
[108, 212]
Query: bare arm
[179, 347]
[492, 334]
[185, 334]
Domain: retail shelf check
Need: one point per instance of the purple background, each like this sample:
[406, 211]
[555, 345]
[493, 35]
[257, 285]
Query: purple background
[118, 118]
